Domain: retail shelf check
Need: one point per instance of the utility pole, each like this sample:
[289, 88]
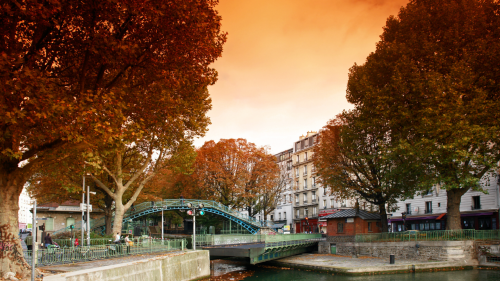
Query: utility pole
[88, 215]
[83, 210]
[33, 242]
[162, 225]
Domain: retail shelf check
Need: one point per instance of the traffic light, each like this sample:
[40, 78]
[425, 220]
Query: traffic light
[190, 212]
[72, 226]
[202, 212]
[84, 217]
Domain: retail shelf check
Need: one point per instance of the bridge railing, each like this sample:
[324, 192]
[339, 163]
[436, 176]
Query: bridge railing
[268, 240]
[166, 203]
[435, 235]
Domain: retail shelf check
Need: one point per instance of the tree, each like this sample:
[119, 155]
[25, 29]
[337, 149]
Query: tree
[73, 72]
[235, 173]
[434, 76]
[357, 157]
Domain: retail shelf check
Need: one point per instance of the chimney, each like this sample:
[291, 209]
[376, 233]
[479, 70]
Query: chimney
[356, 207]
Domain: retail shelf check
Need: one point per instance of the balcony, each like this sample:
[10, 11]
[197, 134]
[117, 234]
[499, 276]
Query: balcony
[475, 207]
[313, 201]
[305, 186]
[428, 212]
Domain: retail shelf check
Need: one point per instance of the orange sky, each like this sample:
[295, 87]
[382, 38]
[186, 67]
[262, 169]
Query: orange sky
[284, 68]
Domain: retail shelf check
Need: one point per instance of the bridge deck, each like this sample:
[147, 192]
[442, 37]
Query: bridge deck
[261, 252]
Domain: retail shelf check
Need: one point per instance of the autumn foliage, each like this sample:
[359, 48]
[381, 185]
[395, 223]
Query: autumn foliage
[73, 74]
[237, 174]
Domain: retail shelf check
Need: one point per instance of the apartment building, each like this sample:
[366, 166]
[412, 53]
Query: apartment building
[24, 214]
[311, 201]
[283, 213]
[427, 211]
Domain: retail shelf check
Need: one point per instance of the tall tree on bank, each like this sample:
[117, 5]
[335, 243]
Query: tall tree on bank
[73, 72]
[434, 76]
[235, 173]
[356, 157]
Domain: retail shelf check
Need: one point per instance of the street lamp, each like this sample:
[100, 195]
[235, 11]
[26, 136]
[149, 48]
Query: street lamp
[192, 212]
[403, 215]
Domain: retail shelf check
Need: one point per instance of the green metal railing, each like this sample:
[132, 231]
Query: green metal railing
[68, 242]
[435, 235]
[85, 253]
[269, 240]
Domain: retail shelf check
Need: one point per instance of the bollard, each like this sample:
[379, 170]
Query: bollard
[391, 259]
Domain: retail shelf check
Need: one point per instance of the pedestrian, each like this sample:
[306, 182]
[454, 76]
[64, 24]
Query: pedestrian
[128, 242]
[117, 238]
[48, 240]
[29, 241]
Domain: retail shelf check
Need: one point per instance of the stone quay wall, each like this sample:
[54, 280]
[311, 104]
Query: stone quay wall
[415, 250]
[186, 266]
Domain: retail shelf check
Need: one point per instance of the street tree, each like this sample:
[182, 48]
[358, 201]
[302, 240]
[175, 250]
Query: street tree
[356, 157]
[434, 77]
[72, 73]
[235, 173]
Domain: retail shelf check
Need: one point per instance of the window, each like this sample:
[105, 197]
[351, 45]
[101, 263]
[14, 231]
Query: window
[306, 212]
[279, 216]
[305, 170]
[428, 207]
[298, 158]
[297, 199]
[313, 182]
[324, 204]
[429, 192]
[305, 156]
[369, 227]
[284, 215]
[314, 196]
[297, 172]
[70, 221]
[297, 214]
[315, 211]
[272, 217]
[331, 203]
[340, 227]
[408, 209]
[305, 198]
[297, 185]
[476, 203]
[49, 224]
[305, 183]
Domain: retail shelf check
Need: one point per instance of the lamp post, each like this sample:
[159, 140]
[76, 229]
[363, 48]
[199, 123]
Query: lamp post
[193, 213]
[403, 215]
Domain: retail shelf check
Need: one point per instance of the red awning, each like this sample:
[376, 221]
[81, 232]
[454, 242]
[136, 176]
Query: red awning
[322, 224]
[441, 216]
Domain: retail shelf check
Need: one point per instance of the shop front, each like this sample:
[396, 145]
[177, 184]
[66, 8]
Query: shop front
[477, 221]
[307, 226]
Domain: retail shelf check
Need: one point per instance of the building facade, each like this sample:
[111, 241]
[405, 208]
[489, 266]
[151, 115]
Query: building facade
[427, 211]
[284, 210]
[25, 216]
[311, 201]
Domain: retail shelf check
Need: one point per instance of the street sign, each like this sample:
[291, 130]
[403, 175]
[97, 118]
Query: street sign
[41, 219]
[83, 207]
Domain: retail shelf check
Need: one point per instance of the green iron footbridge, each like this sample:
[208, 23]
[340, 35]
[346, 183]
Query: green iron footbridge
[258, 248]
[251, 224]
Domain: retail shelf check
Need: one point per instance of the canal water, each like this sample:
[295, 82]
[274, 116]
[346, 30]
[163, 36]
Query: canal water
[239, 270]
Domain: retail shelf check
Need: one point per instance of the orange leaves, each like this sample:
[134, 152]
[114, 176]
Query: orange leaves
[234, 172]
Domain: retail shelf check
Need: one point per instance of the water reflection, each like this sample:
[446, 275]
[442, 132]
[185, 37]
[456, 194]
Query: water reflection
[240, 270]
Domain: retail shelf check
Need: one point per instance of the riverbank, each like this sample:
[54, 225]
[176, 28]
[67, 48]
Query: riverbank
[346, 265]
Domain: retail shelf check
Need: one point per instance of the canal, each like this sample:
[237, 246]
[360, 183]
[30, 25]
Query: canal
[233, 270]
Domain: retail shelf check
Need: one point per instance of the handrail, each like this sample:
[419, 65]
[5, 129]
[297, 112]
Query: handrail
[433, 235]
[180, 204]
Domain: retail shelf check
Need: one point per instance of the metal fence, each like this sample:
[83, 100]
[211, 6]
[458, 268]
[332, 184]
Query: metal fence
[86, 253]
[436, 235]
[230, 239]
[68, 242]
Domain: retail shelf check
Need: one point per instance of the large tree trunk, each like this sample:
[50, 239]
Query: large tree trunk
[119, 212]
[11, 251]
[383, 217]
[453, 208]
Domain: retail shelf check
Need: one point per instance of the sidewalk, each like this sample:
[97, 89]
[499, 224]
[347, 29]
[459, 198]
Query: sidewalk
[367, 265]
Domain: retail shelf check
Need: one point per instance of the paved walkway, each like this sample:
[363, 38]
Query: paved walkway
[360, 265]
[98, 263]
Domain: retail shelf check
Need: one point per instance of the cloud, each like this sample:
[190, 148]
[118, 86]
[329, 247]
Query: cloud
[284, 68]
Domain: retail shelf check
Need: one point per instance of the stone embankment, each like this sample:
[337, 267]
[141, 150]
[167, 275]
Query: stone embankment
[182, 266]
